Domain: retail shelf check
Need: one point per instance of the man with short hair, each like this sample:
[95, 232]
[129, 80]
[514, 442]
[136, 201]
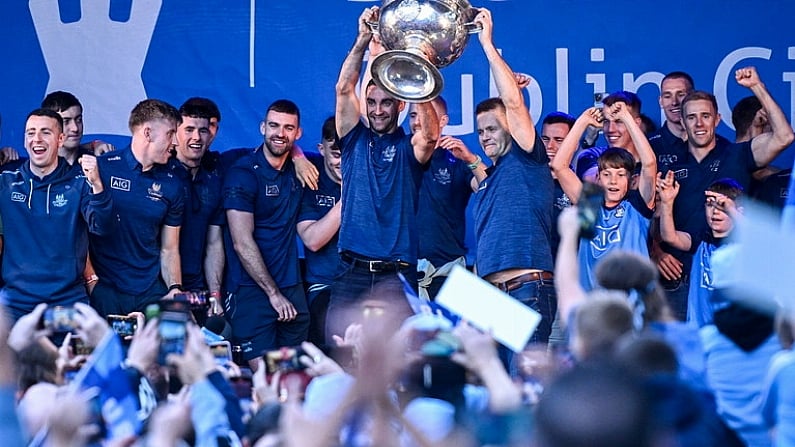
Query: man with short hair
[673, 89]
[49, 211]
[616, 133]
[262, 198]
[554, 128]
[513, 253]
[70, 109]
[138, 260]
[382, 168]
[201, 239]
[710, 158]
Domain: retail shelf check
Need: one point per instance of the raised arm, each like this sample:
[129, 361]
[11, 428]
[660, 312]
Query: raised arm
[519, 121]
[767, 146]
[648, 170]
[424, 140]
[561, 164]
[667, 190]
[567, 282]
[347, 111]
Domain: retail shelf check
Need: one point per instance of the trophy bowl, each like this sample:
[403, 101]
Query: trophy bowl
[420, 37]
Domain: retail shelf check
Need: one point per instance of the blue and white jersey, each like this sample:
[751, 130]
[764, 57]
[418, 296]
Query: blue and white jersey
[625, 227]
[701, 302]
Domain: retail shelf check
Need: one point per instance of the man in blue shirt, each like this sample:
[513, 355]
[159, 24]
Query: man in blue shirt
[262, 197]
[709, 158]
[49, 209]
[513, 206]
[138, 260]
[71, 110]
[201, 240]
[452, 173]
[382, 171]
[318, 227]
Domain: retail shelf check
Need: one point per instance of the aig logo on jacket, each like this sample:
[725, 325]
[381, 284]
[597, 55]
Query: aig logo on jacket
[18, 197]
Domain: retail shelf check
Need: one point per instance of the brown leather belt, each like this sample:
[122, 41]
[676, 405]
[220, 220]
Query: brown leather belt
[374, 266]
[518, 281]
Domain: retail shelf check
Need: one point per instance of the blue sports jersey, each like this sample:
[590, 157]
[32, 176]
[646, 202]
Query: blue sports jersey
[321, 265]
[273, 196]
[701, 302]
[47, 221]
[513, 212]
[203, 207]
[128, 257]
[625, 227]
[441, 215]
[379, 195]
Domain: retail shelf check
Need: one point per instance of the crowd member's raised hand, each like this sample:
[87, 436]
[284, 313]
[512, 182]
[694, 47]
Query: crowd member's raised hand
[264, 392]
[479, 354]
[91, 327]
[144, 347]
[8, 154]
[197, 362]
[317, 363]
[28, 329]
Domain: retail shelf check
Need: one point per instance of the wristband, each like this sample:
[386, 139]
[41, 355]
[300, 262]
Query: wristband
[216, 295]
[176, 286]
[474, 165]
[91, 278]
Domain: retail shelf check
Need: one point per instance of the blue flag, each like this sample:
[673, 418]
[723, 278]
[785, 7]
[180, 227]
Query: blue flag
[104, 375]
[419, 305]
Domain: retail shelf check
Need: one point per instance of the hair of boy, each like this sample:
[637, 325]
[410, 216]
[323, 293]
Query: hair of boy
[630, 99]
[601, 321]
[195, 110]
[729, 187]
[150, 110]
[680, 75]
[616, 157]
[629, 271]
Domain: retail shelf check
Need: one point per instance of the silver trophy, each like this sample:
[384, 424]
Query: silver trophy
[420, 37]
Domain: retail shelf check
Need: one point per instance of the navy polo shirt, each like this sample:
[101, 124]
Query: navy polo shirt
[379, 195]
[321, 265]
[203, 207]
[726, 160]
[274, 197]
[513, 212]
[128, 257]
[441, 216]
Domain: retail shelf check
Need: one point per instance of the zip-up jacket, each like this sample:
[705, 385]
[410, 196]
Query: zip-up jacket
[46, 223]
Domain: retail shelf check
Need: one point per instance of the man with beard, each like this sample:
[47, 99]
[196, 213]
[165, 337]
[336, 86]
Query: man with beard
[382, 171]
[262, 198]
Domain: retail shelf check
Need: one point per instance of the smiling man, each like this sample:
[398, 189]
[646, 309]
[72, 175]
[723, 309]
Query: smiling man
[48, 212]
[201, 245]
[709, 158]
[71, 110]
[138, 261]
[262, 197]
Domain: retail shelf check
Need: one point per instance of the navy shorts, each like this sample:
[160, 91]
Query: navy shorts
[254, 321]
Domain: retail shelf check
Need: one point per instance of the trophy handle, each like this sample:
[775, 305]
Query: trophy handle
[473, 28]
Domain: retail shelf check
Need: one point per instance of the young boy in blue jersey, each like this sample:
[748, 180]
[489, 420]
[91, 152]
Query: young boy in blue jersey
[721, 208]
[628, 202]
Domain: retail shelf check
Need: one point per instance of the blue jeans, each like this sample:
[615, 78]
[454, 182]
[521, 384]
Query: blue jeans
[540, 296]
[677, 292]
[354, 285]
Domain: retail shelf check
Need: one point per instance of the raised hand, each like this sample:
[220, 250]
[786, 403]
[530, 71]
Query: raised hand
[747, 77]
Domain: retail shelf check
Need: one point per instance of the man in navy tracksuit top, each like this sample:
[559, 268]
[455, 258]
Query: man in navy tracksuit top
[49, 207]
[138, 261]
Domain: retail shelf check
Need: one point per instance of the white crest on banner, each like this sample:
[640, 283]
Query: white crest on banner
[97, 59]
